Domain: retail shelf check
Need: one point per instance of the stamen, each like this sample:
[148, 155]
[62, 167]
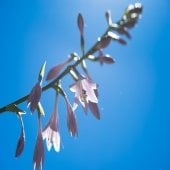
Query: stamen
[83, 95]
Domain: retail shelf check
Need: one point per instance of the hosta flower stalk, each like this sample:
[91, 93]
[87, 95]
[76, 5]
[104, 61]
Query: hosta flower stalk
[84, 89]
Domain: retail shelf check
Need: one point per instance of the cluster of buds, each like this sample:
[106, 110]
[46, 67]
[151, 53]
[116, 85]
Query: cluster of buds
[84, 88]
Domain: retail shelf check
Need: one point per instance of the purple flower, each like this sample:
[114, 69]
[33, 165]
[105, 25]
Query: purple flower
[103, 42]
[34, 96]
[84, 90]
[21, 141]
[54, 71]
[38, 158]
[71, 119]
[51, 131]
[80, 23]
[104, 58]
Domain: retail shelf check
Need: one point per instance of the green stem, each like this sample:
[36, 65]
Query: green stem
[65, 72]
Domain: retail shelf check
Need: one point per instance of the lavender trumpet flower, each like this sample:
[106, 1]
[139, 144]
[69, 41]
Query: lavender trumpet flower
[51, 130]
[84, 90]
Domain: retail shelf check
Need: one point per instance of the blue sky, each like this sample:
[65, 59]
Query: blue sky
[134, 130]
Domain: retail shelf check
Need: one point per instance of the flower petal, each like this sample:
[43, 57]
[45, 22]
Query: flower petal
[56, 141]
[89, 87]
[49, 140]
[94, 109]
[51, 130]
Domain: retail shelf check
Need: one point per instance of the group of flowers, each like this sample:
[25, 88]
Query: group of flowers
[85, 93]
[85, 89]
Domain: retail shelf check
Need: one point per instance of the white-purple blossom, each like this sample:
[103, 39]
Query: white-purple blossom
[84, 90]
[51, 130]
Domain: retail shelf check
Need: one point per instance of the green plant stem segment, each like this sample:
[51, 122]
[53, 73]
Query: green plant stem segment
[64, 73]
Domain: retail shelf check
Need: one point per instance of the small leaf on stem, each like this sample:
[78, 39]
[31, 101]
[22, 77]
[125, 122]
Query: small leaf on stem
[40, 109]
[42, 71]
[14, 108]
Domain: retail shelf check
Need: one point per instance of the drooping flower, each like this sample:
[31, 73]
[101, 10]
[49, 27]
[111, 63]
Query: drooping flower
[84, 90]
[21, 141]
[34, 96]
[71, 119]
[38, 158]
[51, 130]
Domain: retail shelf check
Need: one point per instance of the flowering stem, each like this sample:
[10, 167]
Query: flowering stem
[64, 73]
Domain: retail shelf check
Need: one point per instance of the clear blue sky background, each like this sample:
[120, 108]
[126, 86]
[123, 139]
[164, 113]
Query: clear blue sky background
[134, 130]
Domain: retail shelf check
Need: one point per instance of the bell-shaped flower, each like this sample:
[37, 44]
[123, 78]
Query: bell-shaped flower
[84, 90]
[51, 130]
[38, 158]
[34, 96]
[71, 119]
